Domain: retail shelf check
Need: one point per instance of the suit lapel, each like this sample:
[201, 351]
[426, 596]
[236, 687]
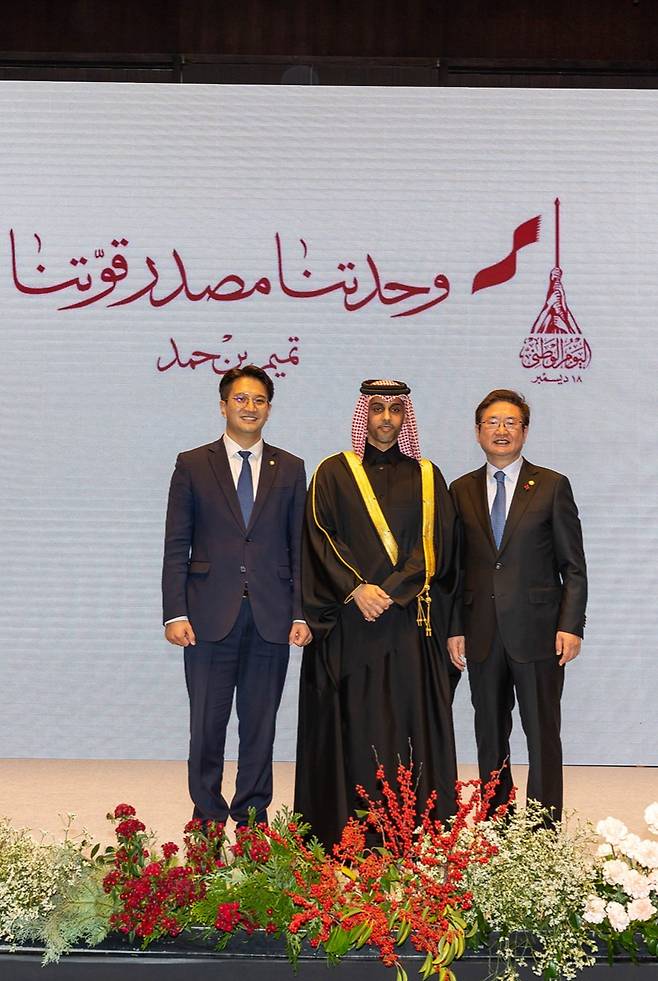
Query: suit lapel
[268, 468]
[478, 492]
[222, 470]
[520, 500]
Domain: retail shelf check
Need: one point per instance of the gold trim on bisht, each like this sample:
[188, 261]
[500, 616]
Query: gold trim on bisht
[424, 598]
[372, 506]
[386, 535]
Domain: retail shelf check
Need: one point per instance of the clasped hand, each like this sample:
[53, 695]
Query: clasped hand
[371, 600]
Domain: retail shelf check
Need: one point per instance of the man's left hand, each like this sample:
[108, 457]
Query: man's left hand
[567, 646]
[300, 635]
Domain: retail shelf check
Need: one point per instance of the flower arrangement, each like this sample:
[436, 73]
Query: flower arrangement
[623, 907]
[527, 898]
[409, 887]
[528, 890]
[50, 893]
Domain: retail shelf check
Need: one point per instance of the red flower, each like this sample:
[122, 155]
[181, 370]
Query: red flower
[228, 916]
[111, 880]
[169, 849]
[124, 811]
[129, 828]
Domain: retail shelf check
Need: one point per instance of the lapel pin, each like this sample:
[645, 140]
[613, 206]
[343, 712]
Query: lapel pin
[271, 462]
[529, 484]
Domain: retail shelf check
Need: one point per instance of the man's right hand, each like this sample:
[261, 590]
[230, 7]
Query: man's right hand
[457, 651]
[371, 600]
[180, 633]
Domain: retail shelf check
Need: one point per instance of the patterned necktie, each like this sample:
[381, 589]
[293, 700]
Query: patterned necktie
[498, 509]
[245, 487]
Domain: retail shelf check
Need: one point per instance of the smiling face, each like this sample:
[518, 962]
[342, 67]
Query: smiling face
[246, 410]
[501, 433]
[384, 421]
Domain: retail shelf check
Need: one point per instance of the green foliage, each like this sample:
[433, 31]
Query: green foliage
[50, 893]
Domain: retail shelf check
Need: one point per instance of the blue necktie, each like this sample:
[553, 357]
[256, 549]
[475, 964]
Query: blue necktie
[498, 509]
[245, 487]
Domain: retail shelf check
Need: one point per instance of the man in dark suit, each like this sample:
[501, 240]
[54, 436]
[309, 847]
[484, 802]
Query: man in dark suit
[524, 590]
[231, 592]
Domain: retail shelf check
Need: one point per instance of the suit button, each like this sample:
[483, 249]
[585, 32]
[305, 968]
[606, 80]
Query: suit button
[492, 596]
[243, 568]
[498, 565]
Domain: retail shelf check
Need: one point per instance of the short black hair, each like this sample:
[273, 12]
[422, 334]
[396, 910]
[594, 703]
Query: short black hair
[504, 395]
[249, 371]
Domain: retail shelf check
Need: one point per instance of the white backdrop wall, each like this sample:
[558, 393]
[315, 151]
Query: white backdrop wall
[425, 182]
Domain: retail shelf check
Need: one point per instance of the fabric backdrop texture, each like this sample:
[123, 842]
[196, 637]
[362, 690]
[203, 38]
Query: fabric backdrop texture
[151, 237]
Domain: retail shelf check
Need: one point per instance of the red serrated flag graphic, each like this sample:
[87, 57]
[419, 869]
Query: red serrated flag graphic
[525, 234]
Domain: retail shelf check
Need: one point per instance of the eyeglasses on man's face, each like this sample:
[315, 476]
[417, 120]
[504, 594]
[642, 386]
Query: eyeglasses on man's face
[495, 423]
[242, 400]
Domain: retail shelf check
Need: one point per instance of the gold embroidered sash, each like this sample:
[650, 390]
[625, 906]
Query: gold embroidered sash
[427, 493]
[372, 506]
[386, 535]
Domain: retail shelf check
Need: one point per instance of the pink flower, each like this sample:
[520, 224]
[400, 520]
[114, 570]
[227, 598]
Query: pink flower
[629, 845]
[612, 830]
[651, 817]
[614, 871]
[635, 884]
[594, 910]
[646, 854]
[617, 916]
[641, 909]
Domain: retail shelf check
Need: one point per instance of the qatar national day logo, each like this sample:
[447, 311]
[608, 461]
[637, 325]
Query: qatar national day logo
[556, 346]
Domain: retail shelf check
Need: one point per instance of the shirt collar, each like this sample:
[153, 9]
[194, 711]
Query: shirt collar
[511, 471]
[233, 448]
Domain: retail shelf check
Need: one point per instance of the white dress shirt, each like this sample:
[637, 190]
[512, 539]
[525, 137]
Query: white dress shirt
[511, 471]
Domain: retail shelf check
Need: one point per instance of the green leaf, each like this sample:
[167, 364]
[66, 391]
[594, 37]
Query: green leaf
[427, 968]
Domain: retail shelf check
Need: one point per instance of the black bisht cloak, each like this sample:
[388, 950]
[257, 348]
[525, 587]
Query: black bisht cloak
[373, 691]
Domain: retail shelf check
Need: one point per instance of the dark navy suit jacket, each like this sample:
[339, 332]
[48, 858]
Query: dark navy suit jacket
[536, 582]
[209, 555]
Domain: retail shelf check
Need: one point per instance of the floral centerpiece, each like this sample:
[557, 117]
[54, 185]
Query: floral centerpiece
[518, 886]
[623, 906]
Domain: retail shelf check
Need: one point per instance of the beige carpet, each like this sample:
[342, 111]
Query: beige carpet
[38, 794]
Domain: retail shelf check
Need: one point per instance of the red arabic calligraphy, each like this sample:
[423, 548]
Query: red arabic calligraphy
[220, 364]
[99, 286]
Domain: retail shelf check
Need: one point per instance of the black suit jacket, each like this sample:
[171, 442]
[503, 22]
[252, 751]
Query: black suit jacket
[209, 555]
[536, 583]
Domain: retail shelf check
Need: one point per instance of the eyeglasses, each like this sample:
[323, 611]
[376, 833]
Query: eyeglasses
[258, 401]
[509, 424]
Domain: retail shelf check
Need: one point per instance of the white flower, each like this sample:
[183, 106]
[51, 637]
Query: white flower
[604, 850]
[617, 916]
[629, 845]
[646, 854]
[635, 884]
[641, 909]
[653, 878]
[612, 830]
[614, 870]
[651, 817]
[594, 910]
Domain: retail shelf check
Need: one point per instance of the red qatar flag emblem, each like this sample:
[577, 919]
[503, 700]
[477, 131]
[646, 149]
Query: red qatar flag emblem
[500, 272]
